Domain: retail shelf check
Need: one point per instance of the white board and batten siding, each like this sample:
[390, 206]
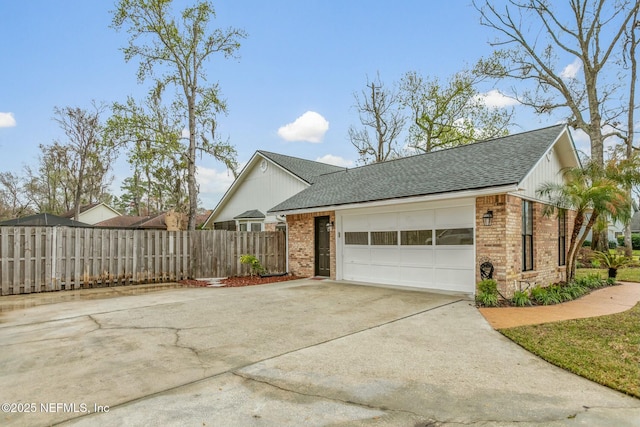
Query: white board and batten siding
[428, 264]
[549, 168]
[262, 188]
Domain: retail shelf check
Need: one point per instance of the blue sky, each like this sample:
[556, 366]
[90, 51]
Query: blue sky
[299, 57]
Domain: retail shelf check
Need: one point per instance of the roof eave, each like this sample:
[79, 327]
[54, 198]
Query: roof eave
[488, 191]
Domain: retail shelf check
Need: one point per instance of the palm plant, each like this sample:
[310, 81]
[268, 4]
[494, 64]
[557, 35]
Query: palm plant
[592, 191]
[613, 261]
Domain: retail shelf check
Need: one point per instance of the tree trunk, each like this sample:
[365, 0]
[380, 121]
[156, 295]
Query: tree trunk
[572, 252]
[191, 166]
[600, 240]
[588, 227]
[628, 243]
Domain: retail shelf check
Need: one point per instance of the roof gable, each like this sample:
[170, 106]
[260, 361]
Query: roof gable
[492, 163]
[299, 170]
[307, 170]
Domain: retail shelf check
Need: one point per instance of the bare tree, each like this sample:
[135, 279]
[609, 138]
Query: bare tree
[13, 200]
[87, 159]
[180, 50]
[449, 114]
[631, 64]
[534, 35]
[380, 113]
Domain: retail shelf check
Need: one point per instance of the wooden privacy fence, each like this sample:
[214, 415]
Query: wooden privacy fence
[37, 259]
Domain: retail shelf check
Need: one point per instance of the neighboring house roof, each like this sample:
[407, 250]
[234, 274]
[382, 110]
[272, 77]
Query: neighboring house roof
[44, 220]
[85, 208]
[132, 221]
[493, 163]
[252, 214]
[307, 170]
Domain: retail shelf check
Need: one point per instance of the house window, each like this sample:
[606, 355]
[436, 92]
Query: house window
[243, 226]
[454, 236]
[356, 238]
[562, 238]
[527, 235]
[415, 237]
[256, 226]
[388, 238]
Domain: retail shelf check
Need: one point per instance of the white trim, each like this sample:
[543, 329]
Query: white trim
[417, 199]
[101, 204]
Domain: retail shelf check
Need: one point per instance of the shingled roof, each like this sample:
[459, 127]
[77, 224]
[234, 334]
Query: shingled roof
[251, 214]
[44, 220]
[492, 163]
[307, 170]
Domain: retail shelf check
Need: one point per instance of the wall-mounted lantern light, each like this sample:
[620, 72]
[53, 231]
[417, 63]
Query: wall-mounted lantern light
[329, 226]
[487, 218]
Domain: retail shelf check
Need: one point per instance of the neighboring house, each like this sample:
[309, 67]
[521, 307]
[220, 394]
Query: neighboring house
[171, 221]
[93, 213]
[635, 222]
[266, 180]
[44, 220]
[420, 221]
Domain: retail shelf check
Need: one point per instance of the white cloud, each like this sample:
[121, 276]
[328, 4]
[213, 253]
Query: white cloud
[571, 70]
[581, 141]
[309, 127]
[335, 160]
[494, 98]
[7, 120]
[213, 184]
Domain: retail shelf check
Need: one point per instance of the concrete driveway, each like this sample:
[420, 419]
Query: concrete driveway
[306, 352]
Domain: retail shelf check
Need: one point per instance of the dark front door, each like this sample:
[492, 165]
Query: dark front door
[323, 250]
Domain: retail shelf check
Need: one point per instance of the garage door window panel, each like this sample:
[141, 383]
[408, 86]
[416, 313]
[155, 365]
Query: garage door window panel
[384, 238]
[356, 238]
[416, 237]
[454, 237]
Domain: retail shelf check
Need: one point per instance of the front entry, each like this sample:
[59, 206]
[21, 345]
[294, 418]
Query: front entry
[322, 247]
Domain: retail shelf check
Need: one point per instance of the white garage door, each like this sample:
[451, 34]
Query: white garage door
[428, 247]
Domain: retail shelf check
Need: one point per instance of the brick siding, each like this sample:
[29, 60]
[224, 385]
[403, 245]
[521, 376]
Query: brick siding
[501, 244]
[301, 229]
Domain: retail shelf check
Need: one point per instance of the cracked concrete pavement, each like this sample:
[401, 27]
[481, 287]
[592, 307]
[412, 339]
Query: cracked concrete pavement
[304, 352]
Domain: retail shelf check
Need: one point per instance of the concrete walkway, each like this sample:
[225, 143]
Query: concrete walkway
[610, 300]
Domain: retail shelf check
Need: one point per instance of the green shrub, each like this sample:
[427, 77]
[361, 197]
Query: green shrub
[539, 294]
[635, 241]
[612, 259]
[613, 245]
[520, 299]
[565, 293]
[256, 266]
[554, 295]
[586, 243]
[487, 293]
[576, 290]
[591, 281]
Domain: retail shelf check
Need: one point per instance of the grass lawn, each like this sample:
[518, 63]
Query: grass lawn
[624, 274]
[603, 349]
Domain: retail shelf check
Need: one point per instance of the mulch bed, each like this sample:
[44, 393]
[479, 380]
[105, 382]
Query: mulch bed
[235, 282]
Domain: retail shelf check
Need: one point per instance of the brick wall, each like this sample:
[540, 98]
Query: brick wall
[501, 243]
[302, 244]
